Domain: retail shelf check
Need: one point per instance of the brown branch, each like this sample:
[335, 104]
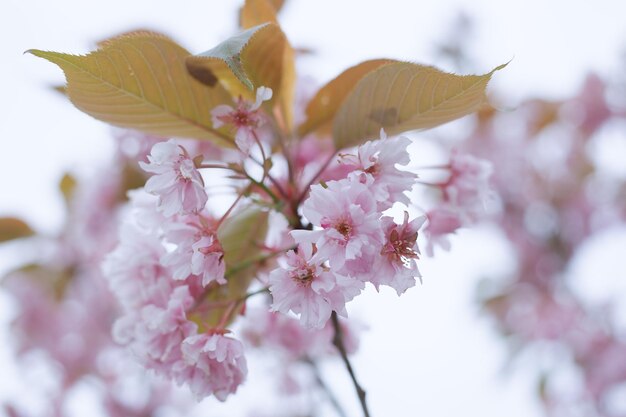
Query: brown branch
[338, 342]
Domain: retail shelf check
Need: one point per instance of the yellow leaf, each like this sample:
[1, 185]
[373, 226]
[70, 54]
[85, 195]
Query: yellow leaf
[278, 4]
[13, 228]
[258, 56]
[257, 12]
[67, 186]
[323, 106]
[139, 81]
[242, 236]
[402, 96]
[53, 280]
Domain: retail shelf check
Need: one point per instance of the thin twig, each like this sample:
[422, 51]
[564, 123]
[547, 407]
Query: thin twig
[306, 188]
[272, 179]
[261, 185]
[329, 394]
[338, 342]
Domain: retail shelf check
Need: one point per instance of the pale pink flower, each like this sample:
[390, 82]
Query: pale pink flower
[590, 109]
[305, 287]
[143, 211]
[134, 271]
[396, 264]
[468, 186]
[177, 182]
[183, 234]
[442, 222]
[198, 250]
[213, 364]
[208, 260]
[155, 334]
[246, 118]
[348, 215]
[377, 159]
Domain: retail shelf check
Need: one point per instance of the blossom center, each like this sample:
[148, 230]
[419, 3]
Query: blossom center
[242, 118]
[185, 171]
[341, 225]
[401, 247]
[373, 169]
[303, 276]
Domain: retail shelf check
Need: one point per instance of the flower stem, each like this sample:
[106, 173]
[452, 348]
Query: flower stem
[338, 342]
[261, 185]
[315, 177]
[329, 394]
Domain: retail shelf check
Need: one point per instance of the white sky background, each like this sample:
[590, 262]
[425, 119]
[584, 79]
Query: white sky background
[427, 353]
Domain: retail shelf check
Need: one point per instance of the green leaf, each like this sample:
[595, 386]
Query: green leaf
[139, 81]
[402, 96]
[13, 228]
[259, 56]
[323, 106]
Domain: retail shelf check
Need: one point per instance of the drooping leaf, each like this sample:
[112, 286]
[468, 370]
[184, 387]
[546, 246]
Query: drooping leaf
[241, 236]
[258, 56]
[402, 96]
[13, 228]
[139, 81]
[323, 106]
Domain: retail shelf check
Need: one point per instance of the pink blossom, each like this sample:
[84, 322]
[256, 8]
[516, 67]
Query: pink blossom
[177, 182]
[377, 159]
[246, 118]
[305, 287]
[214, 364]
[208, 260]
[442, 222]
[155, 334]
[347, 213]
[468, 185]
[198, 250]
[396, 264]
[134, 271]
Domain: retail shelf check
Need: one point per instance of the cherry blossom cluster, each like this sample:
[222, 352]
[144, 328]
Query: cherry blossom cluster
[66, 310]
[159, 290]
[553, 203]
[352, 242]
[465, 195]
[336, 221]
[336, 233]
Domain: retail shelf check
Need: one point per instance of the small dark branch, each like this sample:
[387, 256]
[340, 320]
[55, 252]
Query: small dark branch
[338, 342]
[329, 394]
[303, 192]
